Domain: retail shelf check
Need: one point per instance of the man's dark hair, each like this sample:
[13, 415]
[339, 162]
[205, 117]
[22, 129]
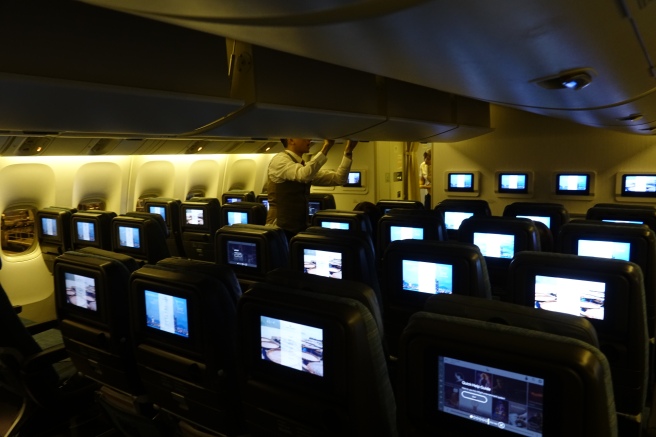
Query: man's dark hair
[284, 141]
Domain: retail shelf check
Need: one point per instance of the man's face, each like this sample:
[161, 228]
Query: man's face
[300, 145]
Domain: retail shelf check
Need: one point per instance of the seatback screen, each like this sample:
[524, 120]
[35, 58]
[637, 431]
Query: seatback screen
[49, 226]
[167, 313]
[194, 216]
[81, 291]
[427, 277]
[570, 296]
[322, 263]
[128, 236]
[494, 397]
[235, 217]
[453, 219]
[242, 253]
[406, 233]
[538, 218]
[335, 225]
[161, 210]
[605, 249]
[292, 345]
[86, 231]
[495, 245]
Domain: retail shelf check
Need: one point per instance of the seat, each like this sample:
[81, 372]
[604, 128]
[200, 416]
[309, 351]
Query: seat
[610, 293]
[312, 365]
[414, 270]
[460, 377]
[140, 235]
[200, 218]
[345, 220]
[553, 215]
[317, 202]
[623, 213]
[500, 239]
[251, 251]
[454, 211]
[385, 205]
[253, 213]
[235, 196]
[183, 318]
[169, 209]
[373, 212]
[53, 226]
[92, 228]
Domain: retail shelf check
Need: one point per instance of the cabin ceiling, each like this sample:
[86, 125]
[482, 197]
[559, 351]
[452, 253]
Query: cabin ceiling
[256, 70]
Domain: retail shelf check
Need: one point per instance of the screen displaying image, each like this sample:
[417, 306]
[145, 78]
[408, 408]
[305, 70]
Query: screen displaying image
[313, 207]
[453, 219]
[461, 180]
[335, 225]
[80, 291]
[237, 217]
[292, 345]
[265, 202]
[49, 226]
[494, 397]
[233, 199]
[538, 218]
[427, 277]
[322, 263]
[570, 296]
[495, 245]
[129, 237]
[242, 253]
[194, 216]
[167, 313]
[639, 183]
[406, 233]
[513, 182]
[354, 179]
[161, 210]
[605, 249]
[573, 182]
[633, 222]
[86, 231]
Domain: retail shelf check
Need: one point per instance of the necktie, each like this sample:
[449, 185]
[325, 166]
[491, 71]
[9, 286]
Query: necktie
[302, 162]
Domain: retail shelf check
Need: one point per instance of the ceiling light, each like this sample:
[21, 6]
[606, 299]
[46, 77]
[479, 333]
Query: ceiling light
[571, 79]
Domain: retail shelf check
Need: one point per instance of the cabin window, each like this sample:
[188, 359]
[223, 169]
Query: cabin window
[140, 207]
[18, 230]
[195, 192]
[92, 205]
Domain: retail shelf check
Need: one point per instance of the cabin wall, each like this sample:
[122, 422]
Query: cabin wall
[529, 142]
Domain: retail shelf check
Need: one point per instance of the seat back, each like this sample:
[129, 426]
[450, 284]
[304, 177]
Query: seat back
[454, 211]
[317, 202]
[553, 215]
[312, 364]
[236, 196]
[499, 239]
[92, 298]
[624, 213]
[610, 293]
[140, 235]
[385, 205]
[344, 220]
[53, 226]
[169, 210]
[460, 376]
[92, 228]
[253, 213]
[200, 218]
[183, 316]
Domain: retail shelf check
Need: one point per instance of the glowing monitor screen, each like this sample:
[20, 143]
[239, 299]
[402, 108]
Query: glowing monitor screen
[194, 216]
[406, 233]
[633, 222]
[242, 253]
[81, 291]
[49, 226]
[129, 237]
[313, 207]
[167, 313]
[461, 180]
[292, 345]
[639, 184]
[237, 217]
[538, 218]
[513, 183]
[605, 249]
[233, 199]
[354, 179]
[427, 277]
[570, 296]
[495, 245]
[453, 219]
[86, 231]
[472, 391]
[573, 184]
[265, 202]
[322, 263]
[335, 225]
[161, 210]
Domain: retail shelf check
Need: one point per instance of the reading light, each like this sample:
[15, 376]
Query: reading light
[572, 79]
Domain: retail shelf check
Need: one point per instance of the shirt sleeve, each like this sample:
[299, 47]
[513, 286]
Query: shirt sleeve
[328, 178]
[283, 168]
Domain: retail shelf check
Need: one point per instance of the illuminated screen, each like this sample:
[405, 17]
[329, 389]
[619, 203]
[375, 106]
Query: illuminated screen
[538, 218]
[570, 296]
[354, 179]
[161, 210]
[167, 313]
[461, 180]
[427, 277]
[495, 245]
[233, 199]
[242, 253]
[265, 202]
[322, 263]
[453, 219]
[639, 184]
[129, 237]
[194, 216]
[605, 249]
[313, 207]
[49, 226]
[86, 231]
[633, 222]
[292, 345]
[237, 217]
[494, 397]
[335, 225]
[406, 233]
[513, 182]
[80, 291]
[573, 183]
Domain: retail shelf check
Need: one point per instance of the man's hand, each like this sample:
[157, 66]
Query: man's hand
[350, 145]
[327, 145]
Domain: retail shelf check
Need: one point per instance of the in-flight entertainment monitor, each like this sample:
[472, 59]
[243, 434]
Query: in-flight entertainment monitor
[335, 225]
[235, 217]
[80, 294]
[513, 183]
[463, 182]
[406, 233]
[242, 253]
[49, 227]
[313, 207]
[638, 185]
[427, 277]
[322, 263]
[84, 230]
[605, 249]
[578, 297]
[453, 219]
[495, 245]
[354, 179]
[166, 313]
[577, 184]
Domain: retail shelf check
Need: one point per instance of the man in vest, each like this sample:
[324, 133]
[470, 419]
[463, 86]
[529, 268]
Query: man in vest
[290, 179]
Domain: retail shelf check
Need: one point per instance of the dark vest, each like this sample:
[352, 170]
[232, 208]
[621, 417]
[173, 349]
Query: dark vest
[288, 204]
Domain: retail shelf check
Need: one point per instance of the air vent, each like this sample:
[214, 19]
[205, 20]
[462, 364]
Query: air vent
[32, 146]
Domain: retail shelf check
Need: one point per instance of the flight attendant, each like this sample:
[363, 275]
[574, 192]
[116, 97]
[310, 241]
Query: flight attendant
[290, 179]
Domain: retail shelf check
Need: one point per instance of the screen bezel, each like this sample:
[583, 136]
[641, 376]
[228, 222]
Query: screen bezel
[339, 252]
[56, 239]
[242, 213]
[225, 246]
[624, 192]
[487, 232]
[587, 191]
[165, 206]
[205, 227]
[525, 190]
[297, 250]
[77, 241]
[354, 184]
[452, 188]
[66, 309]
[138, 251]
